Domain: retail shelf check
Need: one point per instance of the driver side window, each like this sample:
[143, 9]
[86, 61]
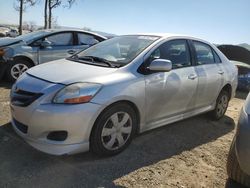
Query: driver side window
[61, 39]
[176, 51]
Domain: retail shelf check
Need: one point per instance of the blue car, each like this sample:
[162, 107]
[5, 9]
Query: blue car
[23, 52]
[243, 75]
[238, 163]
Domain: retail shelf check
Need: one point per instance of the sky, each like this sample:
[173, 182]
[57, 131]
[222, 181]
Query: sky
[218, 21]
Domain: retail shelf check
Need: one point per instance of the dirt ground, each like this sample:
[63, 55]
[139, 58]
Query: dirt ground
[190, 153]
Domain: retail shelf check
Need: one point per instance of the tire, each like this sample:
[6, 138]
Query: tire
[233, 168]
[221, 105]
[116, 124]
[12, 71]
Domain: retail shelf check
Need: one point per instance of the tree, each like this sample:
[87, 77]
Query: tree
[29, 26]
[48, 9]
[21, 7]
[53, 4]
[46, 14]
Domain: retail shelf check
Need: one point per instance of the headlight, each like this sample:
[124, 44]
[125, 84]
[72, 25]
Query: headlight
[77, 93]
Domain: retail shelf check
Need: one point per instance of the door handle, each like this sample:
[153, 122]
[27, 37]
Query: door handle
[220, 71]
[192, 76]
[71, 52]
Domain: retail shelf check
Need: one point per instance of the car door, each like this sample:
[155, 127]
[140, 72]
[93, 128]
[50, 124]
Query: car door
[171, 93]
[61, 46]
[209, 72]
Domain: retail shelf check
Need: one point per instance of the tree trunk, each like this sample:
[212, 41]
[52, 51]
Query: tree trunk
[21, 18]
[46, 15]
[50, 14]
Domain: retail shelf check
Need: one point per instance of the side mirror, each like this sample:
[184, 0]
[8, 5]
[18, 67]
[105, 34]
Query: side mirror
[160, 65]
[45, 44]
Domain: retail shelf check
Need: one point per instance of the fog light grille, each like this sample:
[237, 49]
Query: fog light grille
[57, 135]
[21, 127]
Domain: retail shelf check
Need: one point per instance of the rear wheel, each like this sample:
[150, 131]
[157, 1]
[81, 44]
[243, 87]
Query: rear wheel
[16, 68]
[221, 105]
[113, 130]
[233, 168]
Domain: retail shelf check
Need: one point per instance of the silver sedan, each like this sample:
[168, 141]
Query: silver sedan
[100, 98]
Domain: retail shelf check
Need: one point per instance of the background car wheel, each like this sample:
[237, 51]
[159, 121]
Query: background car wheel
[221, 105]
[16, 68]
[113, 130]
[233, 169]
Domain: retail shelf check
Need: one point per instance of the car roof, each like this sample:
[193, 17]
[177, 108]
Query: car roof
[74, 30]
[171, 35]
[160, 34]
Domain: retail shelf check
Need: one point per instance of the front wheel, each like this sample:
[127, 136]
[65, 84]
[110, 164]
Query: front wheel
[221, 105]
[113, 130]
[16, 68]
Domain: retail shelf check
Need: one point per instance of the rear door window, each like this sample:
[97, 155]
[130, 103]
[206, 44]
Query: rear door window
[204, 54]
[85, 39]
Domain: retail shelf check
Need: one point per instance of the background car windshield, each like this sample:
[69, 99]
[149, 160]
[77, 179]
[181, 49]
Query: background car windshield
[121, 49]
[33, 35]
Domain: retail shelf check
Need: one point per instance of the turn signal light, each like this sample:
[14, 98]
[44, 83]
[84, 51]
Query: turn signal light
[77, 100]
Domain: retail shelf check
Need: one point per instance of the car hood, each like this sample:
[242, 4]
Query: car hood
[240, 64]
[66, 72]
[7, 41]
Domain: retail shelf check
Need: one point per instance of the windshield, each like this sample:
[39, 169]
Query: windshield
[31, 36]
[119, 50]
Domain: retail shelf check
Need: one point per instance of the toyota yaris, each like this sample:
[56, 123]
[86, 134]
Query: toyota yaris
[101, 97]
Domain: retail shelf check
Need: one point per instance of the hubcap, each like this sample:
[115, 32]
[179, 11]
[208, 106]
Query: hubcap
[222, 105]
[116, 131]
[18, 69]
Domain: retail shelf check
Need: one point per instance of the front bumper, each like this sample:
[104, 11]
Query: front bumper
[41, 118]
[243, 142]
[76, 120]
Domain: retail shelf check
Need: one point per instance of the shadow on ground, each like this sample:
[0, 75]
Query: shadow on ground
[23, 165]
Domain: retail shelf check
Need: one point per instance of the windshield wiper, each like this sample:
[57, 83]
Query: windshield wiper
[94, 59]
[98, 59]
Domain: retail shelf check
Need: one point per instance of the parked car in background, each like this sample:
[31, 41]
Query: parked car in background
[100, 98]
[12, 33]
[243, 75]
[236, 53]
[25, 51]
[238, 163]
[3, 31]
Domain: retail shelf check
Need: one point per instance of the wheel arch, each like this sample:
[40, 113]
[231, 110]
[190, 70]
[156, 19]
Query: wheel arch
[130, 103]
[21, 57]
[227, 88]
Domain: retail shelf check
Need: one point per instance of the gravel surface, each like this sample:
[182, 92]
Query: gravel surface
[190, 153]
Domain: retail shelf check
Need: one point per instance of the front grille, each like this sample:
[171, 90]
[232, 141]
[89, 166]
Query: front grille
[21, 127]
[23, 98]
